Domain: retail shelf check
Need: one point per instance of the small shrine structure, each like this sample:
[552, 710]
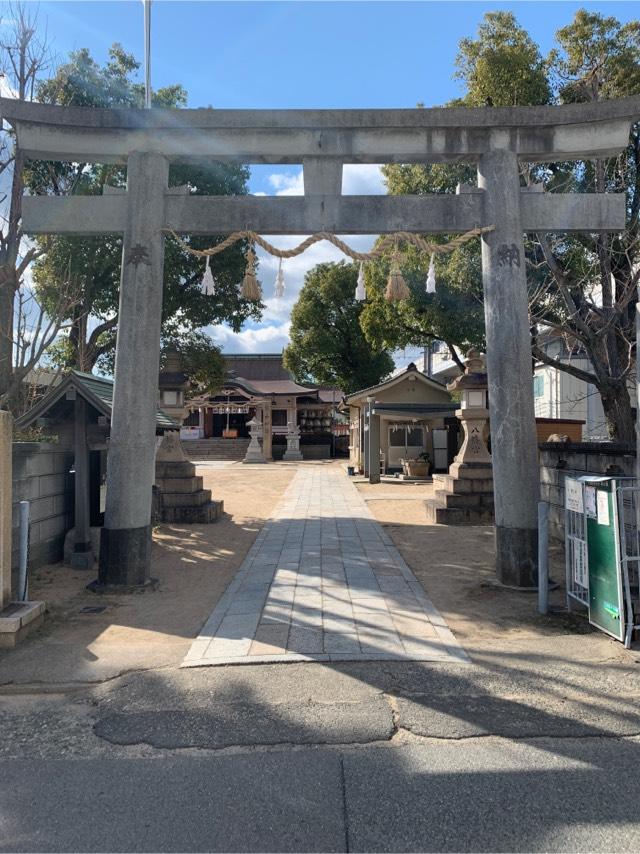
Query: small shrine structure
[404, 417]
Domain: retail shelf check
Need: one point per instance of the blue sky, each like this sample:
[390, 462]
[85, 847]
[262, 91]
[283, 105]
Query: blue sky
[294, 55]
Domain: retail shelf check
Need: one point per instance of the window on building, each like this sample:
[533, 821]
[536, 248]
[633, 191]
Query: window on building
[406, 437]
[538, 386]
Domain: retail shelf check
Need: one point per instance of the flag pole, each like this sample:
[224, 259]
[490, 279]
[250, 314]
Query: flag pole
[147, 53]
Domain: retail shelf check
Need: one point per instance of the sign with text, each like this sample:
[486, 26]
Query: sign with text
[573, 495]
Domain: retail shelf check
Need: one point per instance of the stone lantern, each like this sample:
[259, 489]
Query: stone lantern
[293, 453]
[173, 385]
[464, 496]
[254, 451]
[473, 413]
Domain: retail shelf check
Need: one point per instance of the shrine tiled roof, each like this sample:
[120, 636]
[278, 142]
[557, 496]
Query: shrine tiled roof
[98, 391]
[260, 366]
[279, 387]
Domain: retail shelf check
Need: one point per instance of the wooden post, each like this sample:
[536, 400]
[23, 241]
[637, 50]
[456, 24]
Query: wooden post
[6, 431]
[82, 557]
[267, 429]
[374, 448]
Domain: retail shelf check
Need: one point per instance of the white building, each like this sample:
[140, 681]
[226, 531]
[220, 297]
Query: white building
[557, 394]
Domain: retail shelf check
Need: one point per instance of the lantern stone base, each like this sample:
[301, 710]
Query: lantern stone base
[180, 497]
[462, 497]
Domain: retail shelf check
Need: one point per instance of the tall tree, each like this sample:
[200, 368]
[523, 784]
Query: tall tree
[453, 314]
[581, 286]
[589, 286]
[503, 66]
[327, 343]
[26, 329]
[93, 264]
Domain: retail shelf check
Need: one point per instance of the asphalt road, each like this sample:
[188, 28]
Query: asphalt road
[483, 794]
[358, 757]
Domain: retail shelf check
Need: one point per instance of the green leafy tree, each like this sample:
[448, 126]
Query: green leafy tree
[588, 283]
[328, 345]
[453, 314]
[92, 264]
[582, 287]
[503, 66]
[201, 359]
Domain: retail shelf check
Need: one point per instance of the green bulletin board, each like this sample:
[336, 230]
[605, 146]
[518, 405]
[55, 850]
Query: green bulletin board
[606, 604]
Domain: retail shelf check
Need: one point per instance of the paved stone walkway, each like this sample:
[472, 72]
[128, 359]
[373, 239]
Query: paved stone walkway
[323, 582]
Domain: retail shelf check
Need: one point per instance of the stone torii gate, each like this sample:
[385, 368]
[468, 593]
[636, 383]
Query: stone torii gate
[496, 139]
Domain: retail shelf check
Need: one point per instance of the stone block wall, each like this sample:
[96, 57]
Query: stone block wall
[41, 476]
[559, 460]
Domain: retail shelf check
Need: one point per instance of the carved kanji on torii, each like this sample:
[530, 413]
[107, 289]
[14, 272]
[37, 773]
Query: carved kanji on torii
[496, 139]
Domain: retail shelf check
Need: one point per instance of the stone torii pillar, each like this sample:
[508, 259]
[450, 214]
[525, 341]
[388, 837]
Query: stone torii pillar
[125, 546]
[513, 429]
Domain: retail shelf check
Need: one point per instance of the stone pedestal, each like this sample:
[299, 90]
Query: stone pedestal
[180, 496]
[293, 453]
[17, 619]
[464, 496]
[254, 451]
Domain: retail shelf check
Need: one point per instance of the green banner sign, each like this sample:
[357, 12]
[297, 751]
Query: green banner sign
[606, 603]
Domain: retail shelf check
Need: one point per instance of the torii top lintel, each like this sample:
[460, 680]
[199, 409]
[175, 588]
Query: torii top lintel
[440, 134]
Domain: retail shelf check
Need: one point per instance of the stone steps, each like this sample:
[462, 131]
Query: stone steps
[462, 497]
[460, 486]
[216, 449]
[465, 500]
[440, 515]
[178, 493]
[203, 514]
[186, 499]
[179, 484]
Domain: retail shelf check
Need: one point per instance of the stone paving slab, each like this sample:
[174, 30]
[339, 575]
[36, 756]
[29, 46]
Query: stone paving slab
[323, 582]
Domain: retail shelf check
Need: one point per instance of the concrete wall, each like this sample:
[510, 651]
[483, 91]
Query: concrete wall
[561, 460]
[41, 476]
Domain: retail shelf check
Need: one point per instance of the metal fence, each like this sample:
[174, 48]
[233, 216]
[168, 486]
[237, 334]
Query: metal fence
[576, 558]
[628, 500]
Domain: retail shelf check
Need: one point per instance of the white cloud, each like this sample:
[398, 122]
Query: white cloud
[357, 180]
[362, 180]
[262, 339]
[286, 184]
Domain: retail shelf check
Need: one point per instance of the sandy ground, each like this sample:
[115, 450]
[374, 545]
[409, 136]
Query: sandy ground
[194, 564]
[456, 567]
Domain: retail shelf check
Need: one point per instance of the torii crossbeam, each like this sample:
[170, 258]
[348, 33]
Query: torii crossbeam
[496, 139]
